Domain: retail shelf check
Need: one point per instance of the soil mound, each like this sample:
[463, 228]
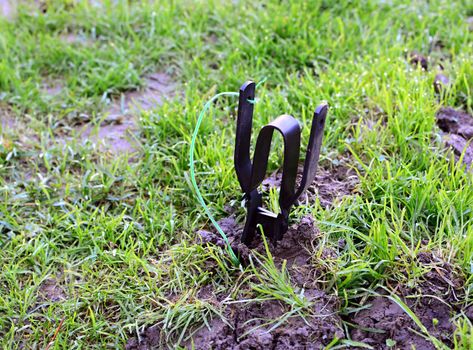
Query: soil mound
[458, 128]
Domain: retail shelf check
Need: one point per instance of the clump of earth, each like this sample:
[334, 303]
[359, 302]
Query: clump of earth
[458, 132]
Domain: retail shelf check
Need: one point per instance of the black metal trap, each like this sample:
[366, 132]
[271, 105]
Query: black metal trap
[252, 173]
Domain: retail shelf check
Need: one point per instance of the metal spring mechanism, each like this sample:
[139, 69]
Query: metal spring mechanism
[252, 173]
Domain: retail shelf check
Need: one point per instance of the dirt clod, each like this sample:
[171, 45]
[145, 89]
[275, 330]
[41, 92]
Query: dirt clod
[248, 327]
[51, 290]
[416, 59]
[292, 248]
[149, 339]
[458, 128]
[252, 324]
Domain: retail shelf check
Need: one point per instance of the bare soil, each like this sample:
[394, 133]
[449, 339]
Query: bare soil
[247, 326]
[6, 120]
[149, 339]
[52, 88]
[434, 61]
[435, 299]
[122, 117]
[458, 132]
[51, 290]
[329, 186]
[417, 59]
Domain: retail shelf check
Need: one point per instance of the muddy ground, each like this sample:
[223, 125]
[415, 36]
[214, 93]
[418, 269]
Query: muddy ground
[116, 132]
[330, 184]
[51, 290]
[329, 187]
[457, 127]
[436, 298]
[248, 325]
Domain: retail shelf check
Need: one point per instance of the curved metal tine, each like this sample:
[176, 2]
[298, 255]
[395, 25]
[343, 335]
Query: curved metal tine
[313, 149]
[243, 135]
[291, 133]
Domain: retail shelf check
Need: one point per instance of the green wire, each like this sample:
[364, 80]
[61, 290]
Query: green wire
[192, 173]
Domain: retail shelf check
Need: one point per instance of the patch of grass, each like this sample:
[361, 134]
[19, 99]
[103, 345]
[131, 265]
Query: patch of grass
[117, 233]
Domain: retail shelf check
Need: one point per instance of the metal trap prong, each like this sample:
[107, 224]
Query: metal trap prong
[251, 174]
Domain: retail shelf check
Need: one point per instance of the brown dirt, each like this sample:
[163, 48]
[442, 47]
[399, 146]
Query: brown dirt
[6, 120]
[246, 325]
[458, 129]
[52, 88]
[435, 299]
[417, 59]
[290, 248]
[51, 290]
[115, 132]
[149, 339]
[329, 185]
[434, 60]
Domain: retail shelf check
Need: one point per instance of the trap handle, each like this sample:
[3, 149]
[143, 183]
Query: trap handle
[243, 135]
[290, 130]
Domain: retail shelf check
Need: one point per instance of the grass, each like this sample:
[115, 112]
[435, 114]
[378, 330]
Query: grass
[117, 233]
